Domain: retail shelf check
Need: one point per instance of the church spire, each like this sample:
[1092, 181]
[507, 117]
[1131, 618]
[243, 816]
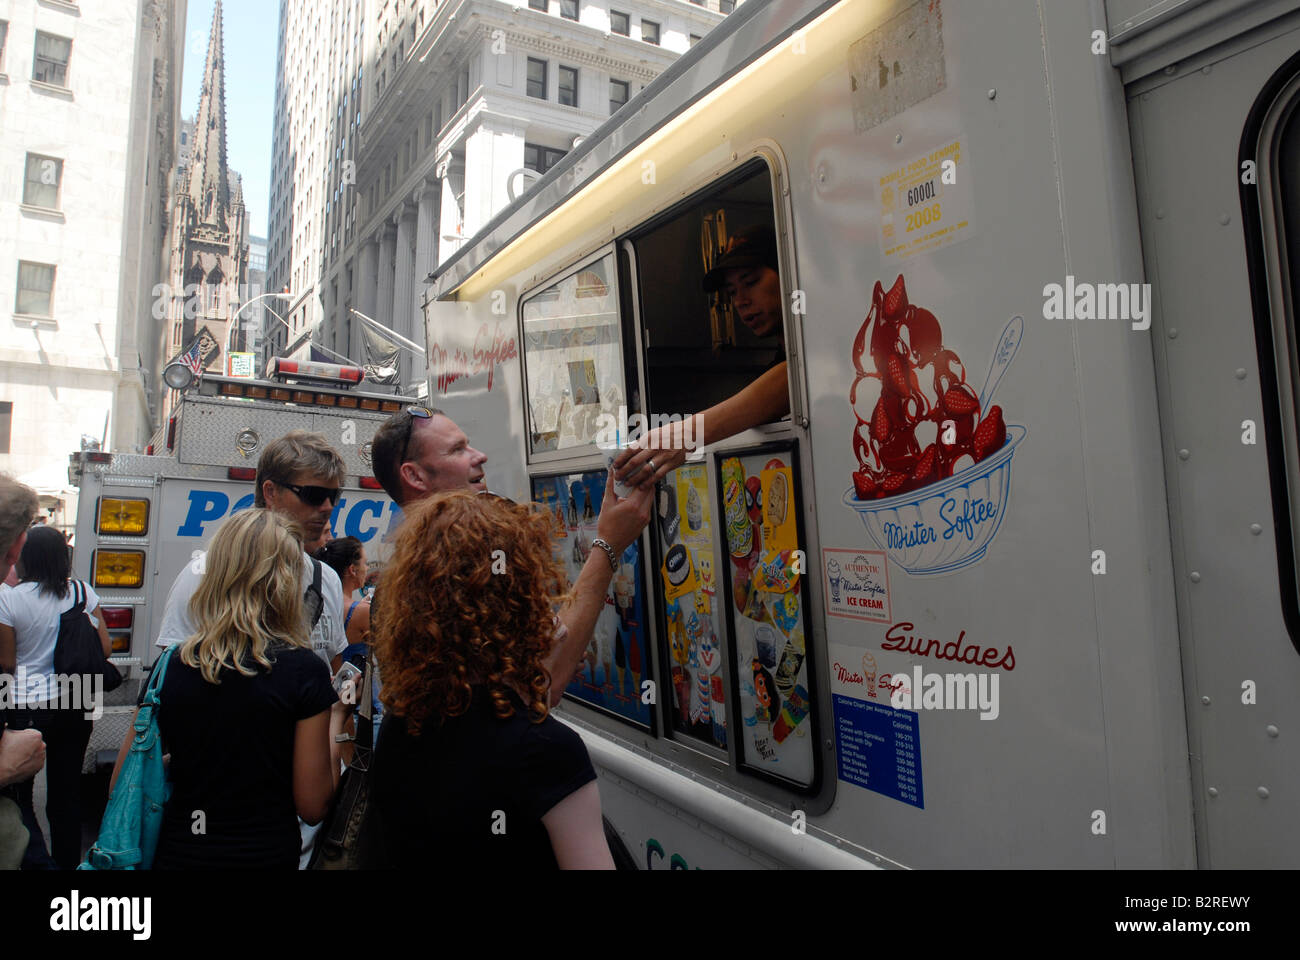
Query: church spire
[209, 186]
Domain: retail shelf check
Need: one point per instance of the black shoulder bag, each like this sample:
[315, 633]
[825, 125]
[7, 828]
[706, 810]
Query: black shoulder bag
[77, 652]
[337, 846]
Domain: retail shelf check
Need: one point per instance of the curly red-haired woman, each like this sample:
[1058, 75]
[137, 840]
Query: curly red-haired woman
[470, 768]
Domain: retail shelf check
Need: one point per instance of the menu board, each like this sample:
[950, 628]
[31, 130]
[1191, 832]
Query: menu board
[617, 660]
[691, 612]
[763, 577]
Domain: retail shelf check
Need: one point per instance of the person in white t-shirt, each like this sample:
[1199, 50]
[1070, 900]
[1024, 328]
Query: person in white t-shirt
[298, 477]
[29, 630]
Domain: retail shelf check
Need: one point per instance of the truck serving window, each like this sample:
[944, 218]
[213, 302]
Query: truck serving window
[573, 359]
[698, 350]
[728, 598]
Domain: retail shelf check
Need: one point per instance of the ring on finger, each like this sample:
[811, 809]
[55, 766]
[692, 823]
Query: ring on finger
[652, 466]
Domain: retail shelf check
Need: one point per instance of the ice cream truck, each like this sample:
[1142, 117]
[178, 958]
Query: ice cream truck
[1013, 584]
[141, 518]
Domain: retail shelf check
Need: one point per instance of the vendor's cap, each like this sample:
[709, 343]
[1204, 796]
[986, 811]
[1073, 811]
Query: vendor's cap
[755, 247]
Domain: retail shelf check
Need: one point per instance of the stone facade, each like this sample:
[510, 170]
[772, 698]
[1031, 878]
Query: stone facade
[454, 109]
[89, 115]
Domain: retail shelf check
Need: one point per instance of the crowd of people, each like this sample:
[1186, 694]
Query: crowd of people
[463, 656]
[473, 655]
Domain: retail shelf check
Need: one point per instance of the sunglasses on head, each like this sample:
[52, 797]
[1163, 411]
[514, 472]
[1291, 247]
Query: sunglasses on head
[311, 495]
[424, 413]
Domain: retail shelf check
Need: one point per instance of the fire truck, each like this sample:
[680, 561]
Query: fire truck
[141, 518]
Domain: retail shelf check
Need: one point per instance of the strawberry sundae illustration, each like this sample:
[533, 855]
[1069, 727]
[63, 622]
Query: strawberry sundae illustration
[933, 455]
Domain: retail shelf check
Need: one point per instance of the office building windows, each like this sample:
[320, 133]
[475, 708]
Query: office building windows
[42, 181]
[650, 31]
[568, 86]
[50, 64]
[537, 78]
[35, 289]
[620, 23]
[541, 159]
[618, 90]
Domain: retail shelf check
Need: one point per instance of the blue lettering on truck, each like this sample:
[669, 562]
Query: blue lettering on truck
[361, 518]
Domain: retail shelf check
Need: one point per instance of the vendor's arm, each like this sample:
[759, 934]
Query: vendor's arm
[766, 399]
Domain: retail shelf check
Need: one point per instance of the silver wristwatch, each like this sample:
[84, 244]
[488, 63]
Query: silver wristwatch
[609, 551]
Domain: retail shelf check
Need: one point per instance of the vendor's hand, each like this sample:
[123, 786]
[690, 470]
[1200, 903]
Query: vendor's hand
[623, 518]
[658, 453]
[22, 754]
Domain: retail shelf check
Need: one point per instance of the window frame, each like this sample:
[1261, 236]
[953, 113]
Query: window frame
[1274, 307]
[67, 64]
[627, 23]
[550, 462]
[544, 153]
[18, 289]
[542, 6]
[528, 79]
[6, 426]
[565, 6]
[58, 184]
[658, 32]
[4, 43]
[559, 90]
[627, 94]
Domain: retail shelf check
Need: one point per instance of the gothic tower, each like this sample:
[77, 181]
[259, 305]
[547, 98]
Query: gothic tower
[209, 256]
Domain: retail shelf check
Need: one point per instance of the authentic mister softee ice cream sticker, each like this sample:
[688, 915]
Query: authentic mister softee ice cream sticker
[934, 457]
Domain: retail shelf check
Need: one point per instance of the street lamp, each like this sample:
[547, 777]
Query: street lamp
[281, 296]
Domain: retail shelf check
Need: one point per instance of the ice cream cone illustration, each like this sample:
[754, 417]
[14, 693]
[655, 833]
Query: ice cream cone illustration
[869, 673]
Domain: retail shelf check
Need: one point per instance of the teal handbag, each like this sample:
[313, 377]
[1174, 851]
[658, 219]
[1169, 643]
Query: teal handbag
[128, 834]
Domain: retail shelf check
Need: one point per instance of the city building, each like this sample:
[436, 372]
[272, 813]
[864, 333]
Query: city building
[207, 285]
[434, 117]
[89, 120]
[317, 116]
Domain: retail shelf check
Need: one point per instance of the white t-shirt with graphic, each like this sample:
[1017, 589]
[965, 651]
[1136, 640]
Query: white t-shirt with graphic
[34, 615]
[328, 638]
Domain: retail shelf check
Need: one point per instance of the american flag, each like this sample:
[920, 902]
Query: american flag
[192, 357]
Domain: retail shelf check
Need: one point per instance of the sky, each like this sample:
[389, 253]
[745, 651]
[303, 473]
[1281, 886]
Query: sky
[251, 33]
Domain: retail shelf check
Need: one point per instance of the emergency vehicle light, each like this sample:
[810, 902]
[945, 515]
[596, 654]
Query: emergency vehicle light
[241, 473]
[280, 394]
[370, 483]
[302, 396]
[329, 373]
[255, 393]
[129, 517]
[118, 618]
[232, 389]
[349, 402]
[326, 399]
[117, 568]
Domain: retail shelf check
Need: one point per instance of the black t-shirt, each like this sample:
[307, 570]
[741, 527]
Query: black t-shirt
[471, 793]
[231, 748]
